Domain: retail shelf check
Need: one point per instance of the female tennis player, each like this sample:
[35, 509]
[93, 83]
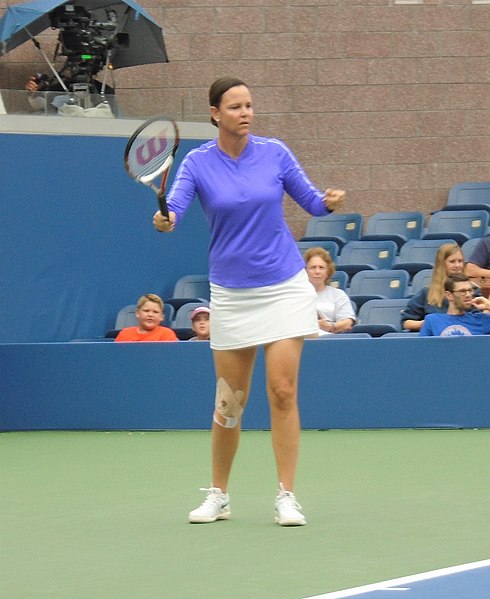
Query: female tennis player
[260, 293]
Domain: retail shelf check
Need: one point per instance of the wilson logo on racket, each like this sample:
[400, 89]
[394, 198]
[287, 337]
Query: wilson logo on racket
[151, 149]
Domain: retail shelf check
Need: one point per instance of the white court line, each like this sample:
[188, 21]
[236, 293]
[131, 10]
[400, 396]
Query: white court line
[383, 586]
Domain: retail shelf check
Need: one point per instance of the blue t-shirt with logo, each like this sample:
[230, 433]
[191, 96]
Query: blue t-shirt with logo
[456, 325]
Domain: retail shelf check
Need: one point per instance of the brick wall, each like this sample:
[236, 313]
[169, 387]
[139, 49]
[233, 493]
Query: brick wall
[389, 101]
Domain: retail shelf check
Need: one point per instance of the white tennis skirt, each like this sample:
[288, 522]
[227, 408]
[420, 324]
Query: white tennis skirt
[260, 315]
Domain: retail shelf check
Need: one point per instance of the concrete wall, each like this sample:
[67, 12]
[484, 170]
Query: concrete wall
[389, 100]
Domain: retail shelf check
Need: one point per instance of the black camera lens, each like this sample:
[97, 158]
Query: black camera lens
[41, 81]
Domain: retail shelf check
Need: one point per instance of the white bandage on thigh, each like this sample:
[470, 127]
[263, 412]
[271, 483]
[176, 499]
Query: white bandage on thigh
[228, 404]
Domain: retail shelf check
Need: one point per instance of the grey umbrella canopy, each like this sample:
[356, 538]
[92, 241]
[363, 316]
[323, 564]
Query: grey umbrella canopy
[144, 41]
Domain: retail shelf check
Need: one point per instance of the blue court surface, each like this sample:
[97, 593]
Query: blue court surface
[467, 581]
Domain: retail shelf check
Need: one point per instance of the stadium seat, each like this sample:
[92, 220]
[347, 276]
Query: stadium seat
[340, 228]
[459, 225]
[126, 317]
[378, 284]
[468, 247]
[397, 226]
[380, 316]
[189, 288]
[177, 302]
[418, 254]
[345, 336]
[366, 255]
[421, 279]
[192, 286]
[332, 247]
[469, 196]
[405, 334]
[340, 280]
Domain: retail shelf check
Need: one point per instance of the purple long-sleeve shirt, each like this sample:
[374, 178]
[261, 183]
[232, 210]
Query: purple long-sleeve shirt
[251, 244]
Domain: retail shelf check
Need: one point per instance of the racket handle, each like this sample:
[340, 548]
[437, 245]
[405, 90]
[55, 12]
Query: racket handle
[162, 202]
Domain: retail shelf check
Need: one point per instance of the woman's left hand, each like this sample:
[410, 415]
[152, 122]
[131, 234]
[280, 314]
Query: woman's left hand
[334, 199]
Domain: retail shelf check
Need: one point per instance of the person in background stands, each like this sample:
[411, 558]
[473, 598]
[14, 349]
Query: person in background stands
[149, 313]
[37, 84]
[334, 308]
[200, 323]
[449, 260]
[478, 264]
[461, 318]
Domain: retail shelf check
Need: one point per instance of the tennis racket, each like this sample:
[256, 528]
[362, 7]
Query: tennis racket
[150, 152]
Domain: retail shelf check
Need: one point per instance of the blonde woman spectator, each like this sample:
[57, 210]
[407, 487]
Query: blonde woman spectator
[433, 299]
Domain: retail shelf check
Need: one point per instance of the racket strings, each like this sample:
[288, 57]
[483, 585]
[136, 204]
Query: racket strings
[150, 150]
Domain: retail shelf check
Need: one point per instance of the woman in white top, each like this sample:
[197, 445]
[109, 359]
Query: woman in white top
[334, 308]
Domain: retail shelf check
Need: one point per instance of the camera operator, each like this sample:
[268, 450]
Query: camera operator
[74, 81]
[87, 43]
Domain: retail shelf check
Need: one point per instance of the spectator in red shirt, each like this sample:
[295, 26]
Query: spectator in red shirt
[149, 312]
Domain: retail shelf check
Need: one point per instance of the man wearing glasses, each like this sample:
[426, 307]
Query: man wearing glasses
[466, 315]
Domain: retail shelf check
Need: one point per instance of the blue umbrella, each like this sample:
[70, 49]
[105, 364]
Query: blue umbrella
[144, 41]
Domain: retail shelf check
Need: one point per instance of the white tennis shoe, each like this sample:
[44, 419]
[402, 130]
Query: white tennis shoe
[216, 506]
[288, 510]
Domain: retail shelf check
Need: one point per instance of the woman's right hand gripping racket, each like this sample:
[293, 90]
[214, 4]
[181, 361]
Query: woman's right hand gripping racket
[150, 152]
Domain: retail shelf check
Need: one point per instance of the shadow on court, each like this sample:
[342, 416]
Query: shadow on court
[95, 515]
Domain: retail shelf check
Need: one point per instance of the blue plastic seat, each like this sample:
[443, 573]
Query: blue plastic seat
[340, 280]
[421, 279]
[469, 196]
[192, 286]
[340, 228]
[332, 247]
[459, 225]
[366, 285]
[189, 288]
[380, 316]
[418, 254]
[397, 226]
[406, 334]
[344, 336]
[468, 247]
[126, 317]
[366, 255]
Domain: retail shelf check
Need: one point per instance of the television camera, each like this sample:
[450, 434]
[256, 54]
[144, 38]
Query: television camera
[86, 42]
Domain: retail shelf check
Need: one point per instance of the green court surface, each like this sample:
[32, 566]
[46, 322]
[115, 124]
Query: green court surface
[94, 515]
